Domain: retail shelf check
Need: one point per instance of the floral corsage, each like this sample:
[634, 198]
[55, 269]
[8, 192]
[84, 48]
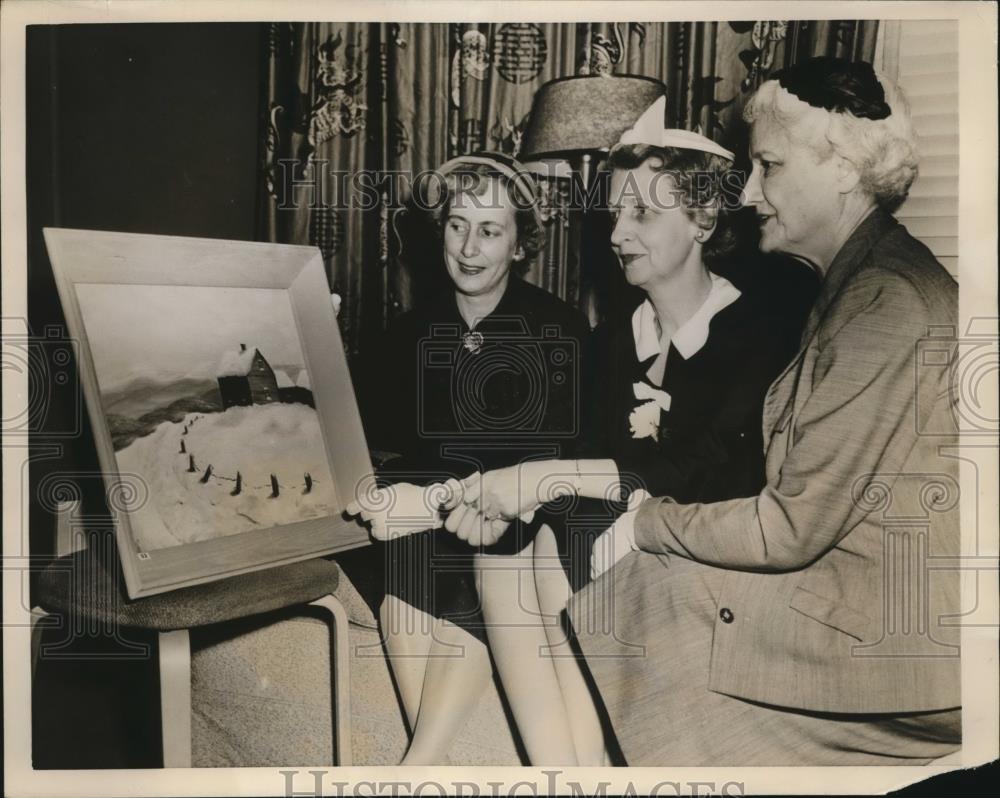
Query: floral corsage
[644, 421]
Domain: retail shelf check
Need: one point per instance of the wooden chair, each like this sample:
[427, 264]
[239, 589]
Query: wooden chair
[83, 584]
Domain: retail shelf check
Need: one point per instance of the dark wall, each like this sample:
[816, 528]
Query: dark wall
[137, 128]
[151, 128]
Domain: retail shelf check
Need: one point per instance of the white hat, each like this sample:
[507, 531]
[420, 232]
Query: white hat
[649, 129]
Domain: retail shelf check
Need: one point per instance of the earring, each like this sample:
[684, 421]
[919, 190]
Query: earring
[699, 236]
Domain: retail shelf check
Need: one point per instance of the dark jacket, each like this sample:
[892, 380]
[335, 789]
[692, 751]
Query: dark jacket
[709, 445]
[450, 402]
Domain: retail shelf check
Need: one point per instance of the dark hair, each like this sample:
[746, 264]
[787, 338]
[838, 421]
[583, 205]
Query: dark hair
[703, 199]
[471, 177]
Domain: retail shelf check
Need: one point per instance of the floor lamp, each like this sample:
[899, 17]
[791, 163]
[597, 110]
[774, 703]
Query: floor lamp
[576, 120]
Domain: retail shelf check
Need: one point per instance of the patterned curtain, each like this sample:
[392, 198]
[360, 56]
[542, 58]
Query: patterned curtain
[354, 111]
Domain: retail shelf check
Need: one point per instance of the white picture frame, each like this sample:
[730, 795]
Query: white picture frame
[101, 258]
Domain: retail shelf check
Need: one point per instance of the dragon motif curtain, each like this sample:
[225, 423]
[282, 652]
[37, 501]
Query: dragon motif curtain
[354, 111]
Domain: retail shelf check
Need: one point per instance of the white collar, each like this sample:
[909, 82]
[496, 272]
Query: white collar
[693, 334]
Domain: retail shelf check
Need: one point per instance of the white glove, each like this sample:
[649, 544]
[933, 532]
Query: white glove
[401, 509]
[618, 540]
[335, 299]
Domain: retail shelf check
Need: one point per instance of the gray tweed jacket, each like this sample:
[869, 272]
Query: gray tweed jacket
[840, 589]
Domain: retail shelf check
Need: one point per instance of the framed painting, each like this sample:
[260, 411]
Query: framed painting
[217, 387]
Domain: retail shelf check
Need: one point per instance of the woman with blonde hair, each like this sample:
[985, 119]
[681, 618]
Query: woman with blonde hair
[804, 625]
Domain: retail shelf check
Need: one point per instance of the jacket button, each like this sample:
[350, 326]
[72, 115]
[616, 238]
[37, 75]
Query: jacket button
[726, 614]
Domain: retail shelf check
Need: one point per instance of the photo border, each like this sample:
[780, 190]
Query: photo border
[978, 291]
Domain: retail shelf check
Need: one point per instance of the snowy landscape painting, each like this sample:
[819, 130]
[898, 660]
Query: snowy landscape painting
[208, 401]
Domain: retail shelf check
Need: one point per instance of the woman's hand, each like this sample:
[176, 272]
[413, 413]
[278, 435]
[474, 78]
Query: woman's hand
[469, 525]
[514, 492]
[399, 510]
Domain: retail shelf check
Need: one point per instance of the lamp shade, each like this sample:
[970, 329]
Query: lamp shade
[587, 112]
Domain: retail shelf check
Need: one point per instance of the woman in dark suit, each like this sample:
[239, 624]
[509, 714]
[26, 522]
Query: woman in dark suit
[477, 377]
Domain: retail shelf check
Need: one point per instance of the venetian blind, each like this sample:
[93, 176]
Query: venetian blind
[922, 57]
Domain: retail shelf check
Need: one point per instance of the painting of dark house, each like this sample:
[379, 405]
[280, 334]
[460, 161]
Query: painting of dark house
[246, 378]
[211, 426]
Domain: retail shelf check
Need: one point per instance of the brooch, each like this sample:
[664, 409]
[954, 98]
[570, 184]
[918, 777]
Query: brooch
[473, 341]
[644, 420]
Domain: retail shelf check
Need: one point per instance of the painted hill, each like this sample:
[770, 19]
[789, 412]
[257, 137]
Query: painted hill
[144, 395]
[280, 439]
[124, 430]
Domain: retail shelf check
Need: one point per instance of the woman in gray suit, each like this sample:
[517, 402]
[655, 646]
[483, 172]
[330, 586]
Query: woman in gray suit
[811, 623]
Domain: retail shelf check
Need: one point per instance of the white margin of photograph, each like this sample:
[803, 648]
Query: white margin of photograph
[978, 293]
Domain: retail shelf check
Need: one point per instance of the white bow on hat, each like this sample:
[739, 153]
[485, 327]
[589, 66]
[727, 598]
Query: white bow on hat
[649, 129]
